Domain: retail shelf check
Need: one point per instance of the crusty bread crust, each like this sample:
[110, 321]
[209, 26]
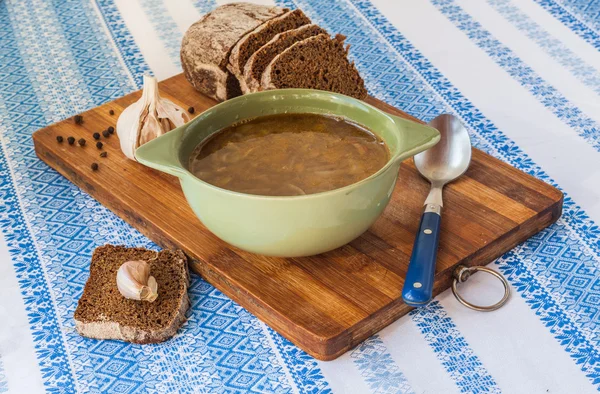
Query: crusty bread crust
[113, 330]
[206, 45]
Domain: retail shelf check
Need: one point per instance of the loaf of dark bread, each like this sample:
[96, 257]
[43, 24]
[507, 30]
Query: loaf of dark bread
[103, 313]
[318, 62]
[254, 40]
[207, 45]
[260, 59]
[243, 48]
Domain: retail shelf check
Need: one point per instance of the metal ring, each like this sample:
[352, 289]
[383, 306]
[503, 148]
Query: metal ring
[462, 273]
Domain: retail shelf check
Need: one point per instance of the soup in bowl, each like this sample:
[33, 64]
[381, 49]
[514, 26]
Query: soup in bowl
[289, 155]
[291, 172]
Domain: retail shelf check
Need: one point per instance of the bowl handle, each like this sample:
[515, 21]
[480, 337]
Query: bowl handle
[416, 137]
[162, 153]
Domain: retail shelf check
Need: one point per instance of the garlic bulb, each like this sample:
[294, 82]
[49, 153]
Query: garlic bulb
[134, 281]
[151, 116]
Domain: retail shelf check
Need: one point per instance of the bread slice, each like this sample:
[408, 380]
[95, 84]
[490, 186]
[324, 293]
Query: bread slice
[256, 64]
[252, 41]
[207, 44]
[318, 62]
[103, 313]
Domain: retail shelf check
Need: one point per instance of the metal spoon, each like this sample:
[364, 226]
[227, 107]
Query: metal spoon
[443, 163]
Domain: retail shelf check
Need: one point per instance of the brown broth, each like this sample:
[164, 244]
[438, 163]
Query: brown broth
[289, 155]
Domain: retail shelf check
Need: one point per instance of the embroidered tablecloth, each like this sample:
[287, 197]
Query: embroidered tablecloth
[523, 75]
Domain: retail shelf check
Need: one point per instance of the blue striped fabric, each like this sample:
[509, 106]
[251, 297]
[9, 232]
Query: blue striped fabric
[304, 370]
[220, 341]
[586, 10]
[572, 328]
[378, 369]
[164, 26]
[504, 57]
[128, 50]
[205, 6]
[453, 351]
[36, 295]
[586, 73]
[84, 54]
[571, 21]
[3, 382]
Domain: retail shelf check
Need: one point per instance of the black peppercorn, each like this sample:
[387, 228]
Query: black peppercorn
[111, 112]
[81, 142]
[59, 138]
[94, 166]
[78, 119]
[71, 140]
[191, 110]
[111, 129]
[96, 136]
[106, 134]
[99, 145]
[103, 154]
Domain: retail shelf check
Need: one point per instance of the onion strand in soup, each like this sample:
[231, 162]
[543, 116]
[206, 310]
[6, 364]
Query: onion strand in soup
[289, 155]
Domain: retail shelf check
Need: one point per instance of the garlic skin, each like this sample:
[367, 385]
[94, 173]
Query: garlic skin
[149, 117]
[135, 283]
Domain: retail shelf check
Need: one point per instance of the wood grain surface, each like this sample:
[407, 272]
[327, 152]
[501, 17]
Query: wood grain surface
[329, 303]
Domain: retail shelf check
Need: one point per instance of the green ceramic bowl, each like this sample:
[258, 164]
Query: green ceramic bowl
[296, 225]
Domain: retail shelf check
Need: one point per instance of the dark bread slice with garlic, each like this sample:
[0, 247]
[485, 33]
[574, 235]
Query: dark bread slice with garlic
[261, 35]
[104, 313]
[318, 62]
[207, 44]
[260, 59]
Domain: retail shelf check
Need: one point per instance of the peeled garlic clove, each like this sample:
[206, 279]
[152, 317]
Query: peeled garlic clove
[150, 117]
[135, 283]
[128, 129]
[151, 129]
[153, 293]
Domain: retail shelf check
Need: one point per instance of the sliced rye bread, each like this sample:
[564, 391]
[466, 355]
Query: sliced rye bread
[252, 41]
[318, 62]
[207, 44]
[256, 64]
[103, 313]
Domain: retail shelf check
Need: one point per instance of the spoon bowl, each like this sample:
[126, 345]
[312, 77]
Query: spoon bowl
[449, 158]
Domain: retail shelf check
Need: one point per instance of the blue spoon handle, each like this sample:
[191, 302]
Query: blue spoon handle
[418, 285]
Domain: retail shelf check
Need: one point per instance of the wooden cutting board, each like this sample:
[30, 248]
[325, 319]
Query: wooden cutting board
[329, 303]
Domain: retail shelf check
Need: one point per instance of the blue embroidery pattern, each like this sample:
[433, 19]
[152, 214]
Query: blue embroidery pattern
[579, 236]
[3, 382]
[453, 350]
[571, 22]
[552, 99]
[221, 349]
[586, 10]
[41, 57]
[552, 46]
[378, 368]
[570, 326]
[165, 27]
[302, 367]
[221, 345]
[36, 296]
[130, 54]
[101, 74]
[205, 6]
